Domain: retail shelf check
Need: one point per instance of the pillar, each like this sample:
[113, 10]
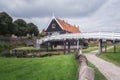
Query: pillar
[47, 46]
[64, 44]
[78, 44]
[80, 51]
[68, 46]
[51, 45]
[114, 46]
[105, 48]
[100, 46]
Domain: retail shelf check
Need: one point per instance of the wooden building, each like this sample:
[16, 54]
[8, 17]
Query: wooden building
[58, 26]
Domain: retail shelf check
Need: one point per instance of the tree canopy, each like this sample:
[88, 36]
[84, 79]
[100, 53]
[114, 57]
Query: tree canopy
[19, 27]
[6, 26]
[32, 29]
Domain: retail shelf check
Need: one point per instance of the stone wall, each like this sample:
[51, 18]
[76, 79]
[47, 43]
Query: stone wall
[16, 40]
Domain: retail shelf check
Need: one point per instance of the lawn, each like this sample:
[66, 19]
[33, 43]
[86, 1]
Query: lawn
[91, 47]
[112, 50]
[94, 46]
[27, 48]
[112, 57]
[43, 54]
[63, 67]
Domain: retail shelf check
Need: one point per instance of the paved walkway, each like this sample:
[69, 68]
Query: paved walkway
[109, 70]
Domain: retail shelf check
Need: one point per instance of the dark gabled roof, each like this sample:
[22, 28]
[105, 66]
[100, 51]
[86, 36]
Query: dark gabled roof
[65, 26]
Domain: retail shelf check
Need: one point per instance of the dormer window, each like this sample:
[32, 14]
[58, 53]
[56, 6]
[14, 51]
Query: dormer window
[53, 25]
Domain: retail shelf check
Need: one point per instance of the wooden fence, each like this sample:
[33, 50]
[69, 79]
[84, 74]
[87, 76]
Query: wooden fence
[21, 53]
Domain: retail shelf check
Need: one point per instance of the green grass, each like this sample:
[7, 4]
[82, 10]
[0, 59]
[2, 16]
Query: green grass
[91, 47]
[111, 57]
[43, 54]
[112, 50]
[62, 67]
[26, 48]
[98, 74]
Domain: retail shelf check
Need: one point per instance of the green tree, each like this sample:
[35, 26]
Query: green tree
[20, 27]
[6, 26]
[32, 29]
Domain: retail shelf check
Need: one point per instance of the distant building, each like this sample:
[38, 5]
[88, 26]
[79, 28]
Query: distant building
[58, 26]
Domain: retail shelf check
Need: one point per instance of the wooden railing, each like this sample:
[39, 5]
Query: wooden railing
[95, 35]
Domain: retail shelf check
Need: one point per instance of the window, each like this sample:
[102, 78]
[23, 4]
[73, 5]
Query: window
[53, 25]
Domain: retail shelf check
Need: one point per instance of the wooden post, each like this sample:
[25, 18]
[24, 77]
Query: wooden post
[47, 46]
[51, 45]
[68, 46]
[105, 48]
[64, 44]
[114, 46]
[100, 46]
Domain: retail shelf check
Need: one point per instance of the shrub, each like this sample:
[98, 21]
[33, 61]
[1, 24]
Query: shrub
[5, 47]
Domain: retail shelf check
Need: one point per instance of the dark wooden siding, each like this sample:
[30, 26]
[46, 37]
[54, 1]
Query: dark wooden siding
[56, 27]
[64, 32]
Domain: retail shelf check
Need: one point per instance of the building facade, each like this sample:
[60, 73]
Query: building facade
[58, 26]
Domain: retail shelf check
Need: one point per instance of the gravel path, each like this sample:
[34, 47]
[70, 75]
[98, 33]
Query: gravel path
[109, 70]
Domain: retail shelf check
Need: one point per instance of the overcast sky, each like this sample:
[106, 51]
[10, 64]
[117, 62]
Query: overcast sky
[89, 15]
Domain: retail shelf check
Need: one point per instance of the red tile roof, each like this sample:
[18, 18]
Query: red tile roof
[68, 27]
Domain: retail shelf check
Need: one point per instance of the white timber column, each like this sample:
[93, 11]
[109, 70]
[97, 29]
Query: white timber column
[100, 46]
[80, 50]
[37, 44]
[78, 44]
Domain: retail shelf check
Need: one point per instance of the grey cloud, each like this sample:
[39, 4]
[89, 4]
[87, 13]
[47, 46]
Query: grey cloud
[107, 18]
[90, 15]
[43, 8]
